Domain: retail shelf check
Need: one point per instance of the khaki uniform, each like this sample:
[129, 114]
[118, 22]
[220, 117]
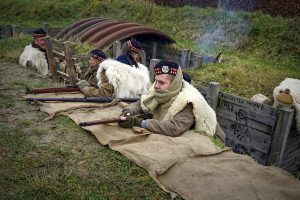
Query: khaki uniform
[180, 113]
[90, 77]
[180, 123]
[105, 90]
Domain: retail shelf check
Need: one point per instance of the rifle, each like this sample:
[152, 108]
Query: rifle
[102, 121]
[53, 90]
[84, 99]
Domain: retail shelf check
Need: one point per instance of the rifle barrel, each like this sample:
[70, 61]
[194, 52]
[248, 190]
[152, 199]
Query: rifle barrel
[84, 99]
[53, 90]
[102, 121]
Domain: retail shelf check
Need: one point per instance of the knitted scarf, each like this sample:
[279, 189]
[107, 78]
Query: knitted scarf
[154, 97]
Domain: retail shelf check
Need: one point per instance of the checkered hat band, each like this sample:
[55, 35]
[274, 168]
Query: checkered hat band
[97, 57]
[136, 50]
[159, 71]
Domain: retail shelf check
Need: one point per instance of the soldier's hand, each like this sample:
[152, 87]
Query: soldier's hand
[82, 84]
[130, 121]
[127, 112]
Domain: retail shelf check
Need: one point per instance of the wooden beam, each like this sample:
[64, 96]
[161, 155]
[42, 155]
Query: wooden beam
[213, 94]
[116, 49]
[197, 61]
[280, 136]
[185, 58]
[154, 50]
[50, 57]
[69, 63]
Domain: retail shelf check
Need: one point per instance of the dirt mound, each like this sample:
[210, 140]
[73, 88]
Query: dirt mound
[287, 8]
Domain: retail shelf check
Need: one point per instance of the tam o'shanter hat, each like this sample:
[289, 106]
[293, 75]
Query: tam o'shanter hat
[39, 33]
[134, 46]
[166, 67]
[98, 54]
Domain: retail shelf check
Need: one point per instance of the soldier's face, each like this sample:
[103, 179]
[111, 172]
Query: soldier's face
[134, 56]
[162, 82]
[93, 63]
[40, 42]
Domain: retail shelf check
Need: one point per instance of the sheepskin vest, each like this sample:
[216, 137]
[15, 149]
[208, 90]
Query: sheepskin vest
[34, 57]
[128, 82]
[205, 116]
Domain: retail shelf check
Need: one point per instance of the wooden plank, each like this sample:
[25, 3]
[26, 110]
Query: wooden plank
[291, 158]
[197, 61]
[292, 145]
[213, 94]
[293, 169]
[185, 58]
[69, 63]
[154, 50]
[50, 57]
[116, 49]
[246, 137]
[244, 132]
[240, 148]
[242, 118]
[245, 112]
[262, 108]
[280, 136]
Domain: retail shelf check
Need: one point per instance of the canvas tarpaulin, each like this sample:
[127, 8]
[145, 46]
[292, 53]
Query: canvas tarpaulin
[190, 165]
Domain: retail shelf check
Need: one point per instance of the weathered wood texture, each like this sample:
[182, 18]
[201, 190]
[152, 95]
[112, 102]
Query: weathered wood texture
[69, 63]
[265, 133]
[50, 57]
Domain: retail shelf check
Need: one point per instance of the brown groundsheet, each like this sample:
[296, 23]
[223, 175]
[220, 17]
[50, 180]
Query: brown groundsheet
[190, 165]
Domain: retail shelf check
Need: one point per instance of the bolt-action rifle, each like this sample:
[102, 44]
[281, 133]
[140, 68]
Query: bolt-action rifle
[84, 99]
[53, 90]
[102, 121]
[70, 88]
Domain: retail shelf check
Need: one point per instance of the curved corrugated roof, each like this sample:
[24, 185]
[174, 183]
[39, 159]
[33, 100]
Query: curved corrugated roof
[102, 32]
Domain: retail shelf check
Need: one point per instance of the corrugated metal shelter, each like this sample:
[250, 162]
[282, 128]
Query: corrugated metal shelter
[102, 32]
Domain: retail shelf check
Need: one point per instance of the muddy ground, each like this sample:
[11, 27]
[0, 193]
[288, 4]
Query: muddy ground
[57, 159]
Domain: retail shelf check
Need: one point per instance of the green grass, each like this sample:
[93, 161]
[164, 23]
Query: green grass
[58, 160]
[252, 43]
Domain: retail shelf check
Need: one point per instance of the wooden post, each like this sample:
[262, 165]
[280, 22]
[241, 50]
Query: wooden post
[185, 58]
[154, 50]
[15, 30]
[69, 63]
[8, 31]
[213, 94]
[198, 61]
[280, 136]
[116, 49]
[153, 62]
[50, 57]
[46, 27]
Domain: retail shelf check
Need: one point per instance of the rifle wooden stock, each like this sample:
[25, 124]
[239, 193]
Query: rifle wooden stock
[84, 99]
[53, 90]
[102, 121]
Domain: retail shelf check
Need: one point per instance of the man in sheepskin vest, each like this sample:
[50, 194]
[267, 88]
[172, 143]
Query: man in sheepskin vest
[34, 54]
[176, 105]
[118, 80]
[96, 57]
